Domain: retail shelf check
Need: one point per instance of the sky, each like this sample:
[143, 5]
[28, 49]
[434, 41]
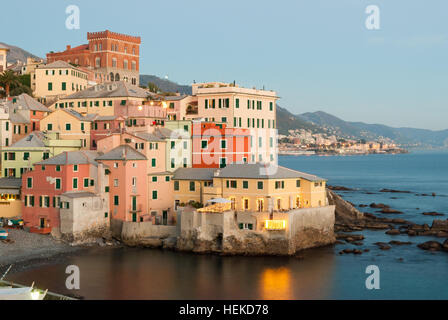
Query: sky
[316, 54]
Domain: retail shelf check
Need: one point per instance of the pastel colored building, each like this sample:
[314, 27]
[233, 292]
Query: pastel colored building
[25, 114]
[245, 108]
[70, 125]
[112, 56]
[127, 183]
[158, 179]
[58, 79]
[10, 204]
[250, 187]
[37, 146]
[106, 99]
[43, 187]
[215, 145]
[182, 107]
[103, 126]
[3, 54]
[142, 116]
[5, 126]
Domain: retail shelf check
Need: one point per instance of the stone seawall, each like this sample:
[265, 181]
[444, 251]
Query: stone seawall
[148, 235]
[219, 233]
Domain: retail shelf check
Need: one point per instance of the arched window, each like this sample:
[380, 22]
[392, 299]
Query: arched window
[125, 64]
[114, 62]
[98, 62]
[111, 76]
[117, 77]
[134, 65]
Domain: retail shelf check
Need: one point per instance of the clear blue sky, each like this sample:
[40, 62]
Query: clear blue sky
[317, 54]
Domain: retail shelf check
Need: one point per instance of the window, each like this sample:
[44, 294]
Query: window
[185, 145]
[82, 126]
[224, 119]
[154, 179]
[167, 179]
[29, 183]
[46, 155]
[173, 163]
[173, 144]
[86, 182]
[134, 181]
[233, 184]
[260, 185]
[115, 182]
[75, 168]
[204, 144]
[192, 186]
[116, 200]
[43, 168]
[75, 183]
[68, 126]
[223, 144]
[176, 185]
[154, 194]
[58, 168]
[64, 86]
[26, 156]
[153, 162]
[298, 183]
[271, 106]
[58, 184]
[50, 86]
[237, 103]
[245, 184]
[49, 126]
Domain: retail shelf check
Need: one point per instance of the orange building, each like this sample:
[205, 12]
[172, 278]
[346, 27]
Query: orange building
[215, 145]
[112, 56]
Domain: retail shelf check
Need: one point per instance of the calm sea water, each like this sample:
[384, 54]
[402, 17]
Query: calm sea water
[406, 272]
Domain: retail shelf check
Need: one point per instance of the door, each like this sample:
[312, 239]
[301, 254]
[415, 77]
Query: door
[42, 223]
[260, 205]
[165, 217]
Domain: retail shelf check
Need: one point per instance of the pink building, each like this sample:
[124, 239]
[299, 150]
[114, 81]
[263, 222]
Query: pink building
[42, 187]
[103, 126]
[127, 183]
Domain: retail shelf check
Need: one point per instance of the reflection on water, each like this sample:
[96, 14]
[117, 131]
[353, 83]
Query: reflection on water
[275, 284]
[129, 273]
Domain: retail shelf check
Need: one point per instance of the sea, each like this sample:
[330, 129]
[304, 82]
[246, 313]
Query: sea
[403, 272]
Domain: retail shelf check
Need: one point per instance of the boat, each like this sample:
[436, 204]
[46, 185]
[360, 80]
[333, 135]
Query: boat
[3, 234]
[25, 293]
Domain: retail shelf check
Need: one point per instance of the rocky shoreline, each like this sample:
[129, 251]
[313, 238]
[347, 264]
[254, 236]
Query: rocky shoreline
[349, 219]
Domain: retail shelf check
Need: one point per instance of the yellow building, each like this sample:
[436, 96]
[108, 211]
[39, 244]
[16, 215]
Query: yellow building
[3, 53]
[70, 125]
[10, 204]
[58, 79]
[103, 99]
[250, 187]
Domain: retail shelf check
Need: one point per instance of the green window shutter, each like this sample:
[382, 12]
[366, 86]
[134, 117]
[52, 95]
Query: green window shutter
[64, 86]
[26, 201]
[40, 201]
[50, 86]
[153, 162]
[176, 185]
[75, 183]
[167, 178]
[192, 186]
[29, 183]
[154, 179]
[298, 183]
[58, 184]
[260, 185]
[32, 201]
[251, 226]
[245, 184]
[116, 200]
[154, 195]
[237, 103]
[82, 126]
[204, 144]
[86, 183]
[240, 225]
[106, 189]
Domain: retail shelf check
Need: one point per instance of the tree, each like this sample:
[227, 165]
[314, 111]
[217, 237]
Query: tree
[8, 79]
[153, 87]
